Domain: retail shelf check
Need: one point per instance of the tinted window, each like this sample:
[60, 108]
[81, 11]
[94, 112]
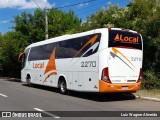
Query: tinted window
[35, 53]
[42, 52]
[47, 50]
[91, 48]
[70, 48]
[77, 47]
[119, 38]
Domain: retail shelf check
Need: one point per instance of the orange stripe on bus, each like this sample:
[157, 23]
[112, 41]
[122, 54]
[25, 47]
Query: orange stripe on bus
[53, 73]
[117, 51]
[91, 41]
[51, 63]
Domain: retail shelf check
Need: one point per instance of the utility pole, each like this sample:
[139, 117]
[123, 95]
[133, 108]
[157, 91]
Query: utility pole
[46, 23]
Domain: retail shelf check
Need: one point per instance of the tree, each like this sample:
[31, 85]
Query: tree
[30, 28]
[8, 56]
[60, 23]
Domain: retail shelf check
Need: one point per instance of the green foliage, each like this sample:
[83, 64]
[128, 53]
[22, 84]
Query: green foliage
[150, 80]
[30, 28]
[61, 23]
[8, 56]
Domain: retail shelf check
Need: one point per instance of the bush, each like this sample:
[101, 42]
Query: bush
[150, 80]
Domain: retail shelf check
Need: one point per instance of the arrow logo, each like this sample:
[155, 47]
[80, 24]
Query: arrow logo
[114, 54]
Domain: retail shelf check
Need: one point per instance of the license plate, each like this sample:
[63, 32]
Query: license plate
[124, 87]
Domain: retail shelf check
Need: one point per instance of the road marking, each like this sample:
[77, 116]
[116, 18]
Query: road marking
[50, 114]
[3, 95]
[56, 117]
[38, 109]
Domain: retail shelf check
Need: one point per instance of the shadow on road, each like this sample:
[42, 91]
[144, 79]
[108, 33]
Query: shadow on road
[105, 97]
[12, 80]
[47, 88]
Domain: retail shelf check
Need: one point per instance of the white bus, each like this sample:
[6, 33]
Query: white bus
[102, 60]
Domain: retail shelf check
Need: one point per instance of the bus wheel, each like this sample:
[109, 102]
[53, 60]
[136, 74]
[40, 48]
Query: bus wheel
[63, 87]
[29, 81]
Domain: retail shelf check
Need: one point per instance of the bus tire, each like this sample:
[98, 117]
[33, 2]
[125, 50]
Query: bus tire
[62, 86]
[28, 80]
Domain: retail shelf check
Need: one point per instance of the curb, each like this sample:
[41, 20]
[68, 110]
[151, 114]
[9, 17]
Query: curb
[148, 98]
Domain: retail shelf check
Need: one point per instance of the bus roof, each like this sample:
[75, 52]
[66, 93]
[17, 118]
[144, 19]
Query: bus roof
[70, 36]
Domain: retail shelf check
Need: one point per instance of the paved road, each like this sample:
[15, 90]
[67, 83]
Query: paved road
[16, 96]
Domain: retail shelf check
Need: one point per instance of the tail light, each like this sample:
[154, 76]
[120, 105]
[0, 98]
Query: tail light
[140, 75]
[109, 28]
[105, 75]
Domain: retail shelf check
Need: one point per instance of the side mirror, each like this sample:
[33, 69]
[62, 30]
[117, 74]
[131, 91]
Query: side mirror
[20, 57]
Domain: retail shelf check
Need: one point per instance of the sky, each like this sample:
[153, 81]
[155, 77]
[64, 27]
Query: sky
[83, 8]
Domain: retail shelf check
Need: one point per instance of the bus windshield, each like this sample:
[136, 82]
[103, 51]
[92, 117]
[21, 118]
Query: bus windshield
[24, 57]
[124, 39]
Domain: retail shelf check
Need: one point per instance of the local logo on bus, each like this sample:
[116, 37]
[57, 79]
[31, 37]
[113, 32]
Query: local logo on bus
[126, 39]
[38, 65]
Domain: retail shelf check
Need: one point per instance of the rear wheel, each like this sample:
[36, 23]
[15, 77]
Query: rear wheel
[29, 81]
[62, 87]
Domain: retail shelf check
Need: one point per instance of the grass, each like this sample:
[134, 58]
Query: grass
[154, 93]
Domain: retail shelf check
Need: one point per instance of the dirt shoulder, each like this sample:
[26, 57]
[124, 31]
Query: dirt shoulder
[148, 93]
